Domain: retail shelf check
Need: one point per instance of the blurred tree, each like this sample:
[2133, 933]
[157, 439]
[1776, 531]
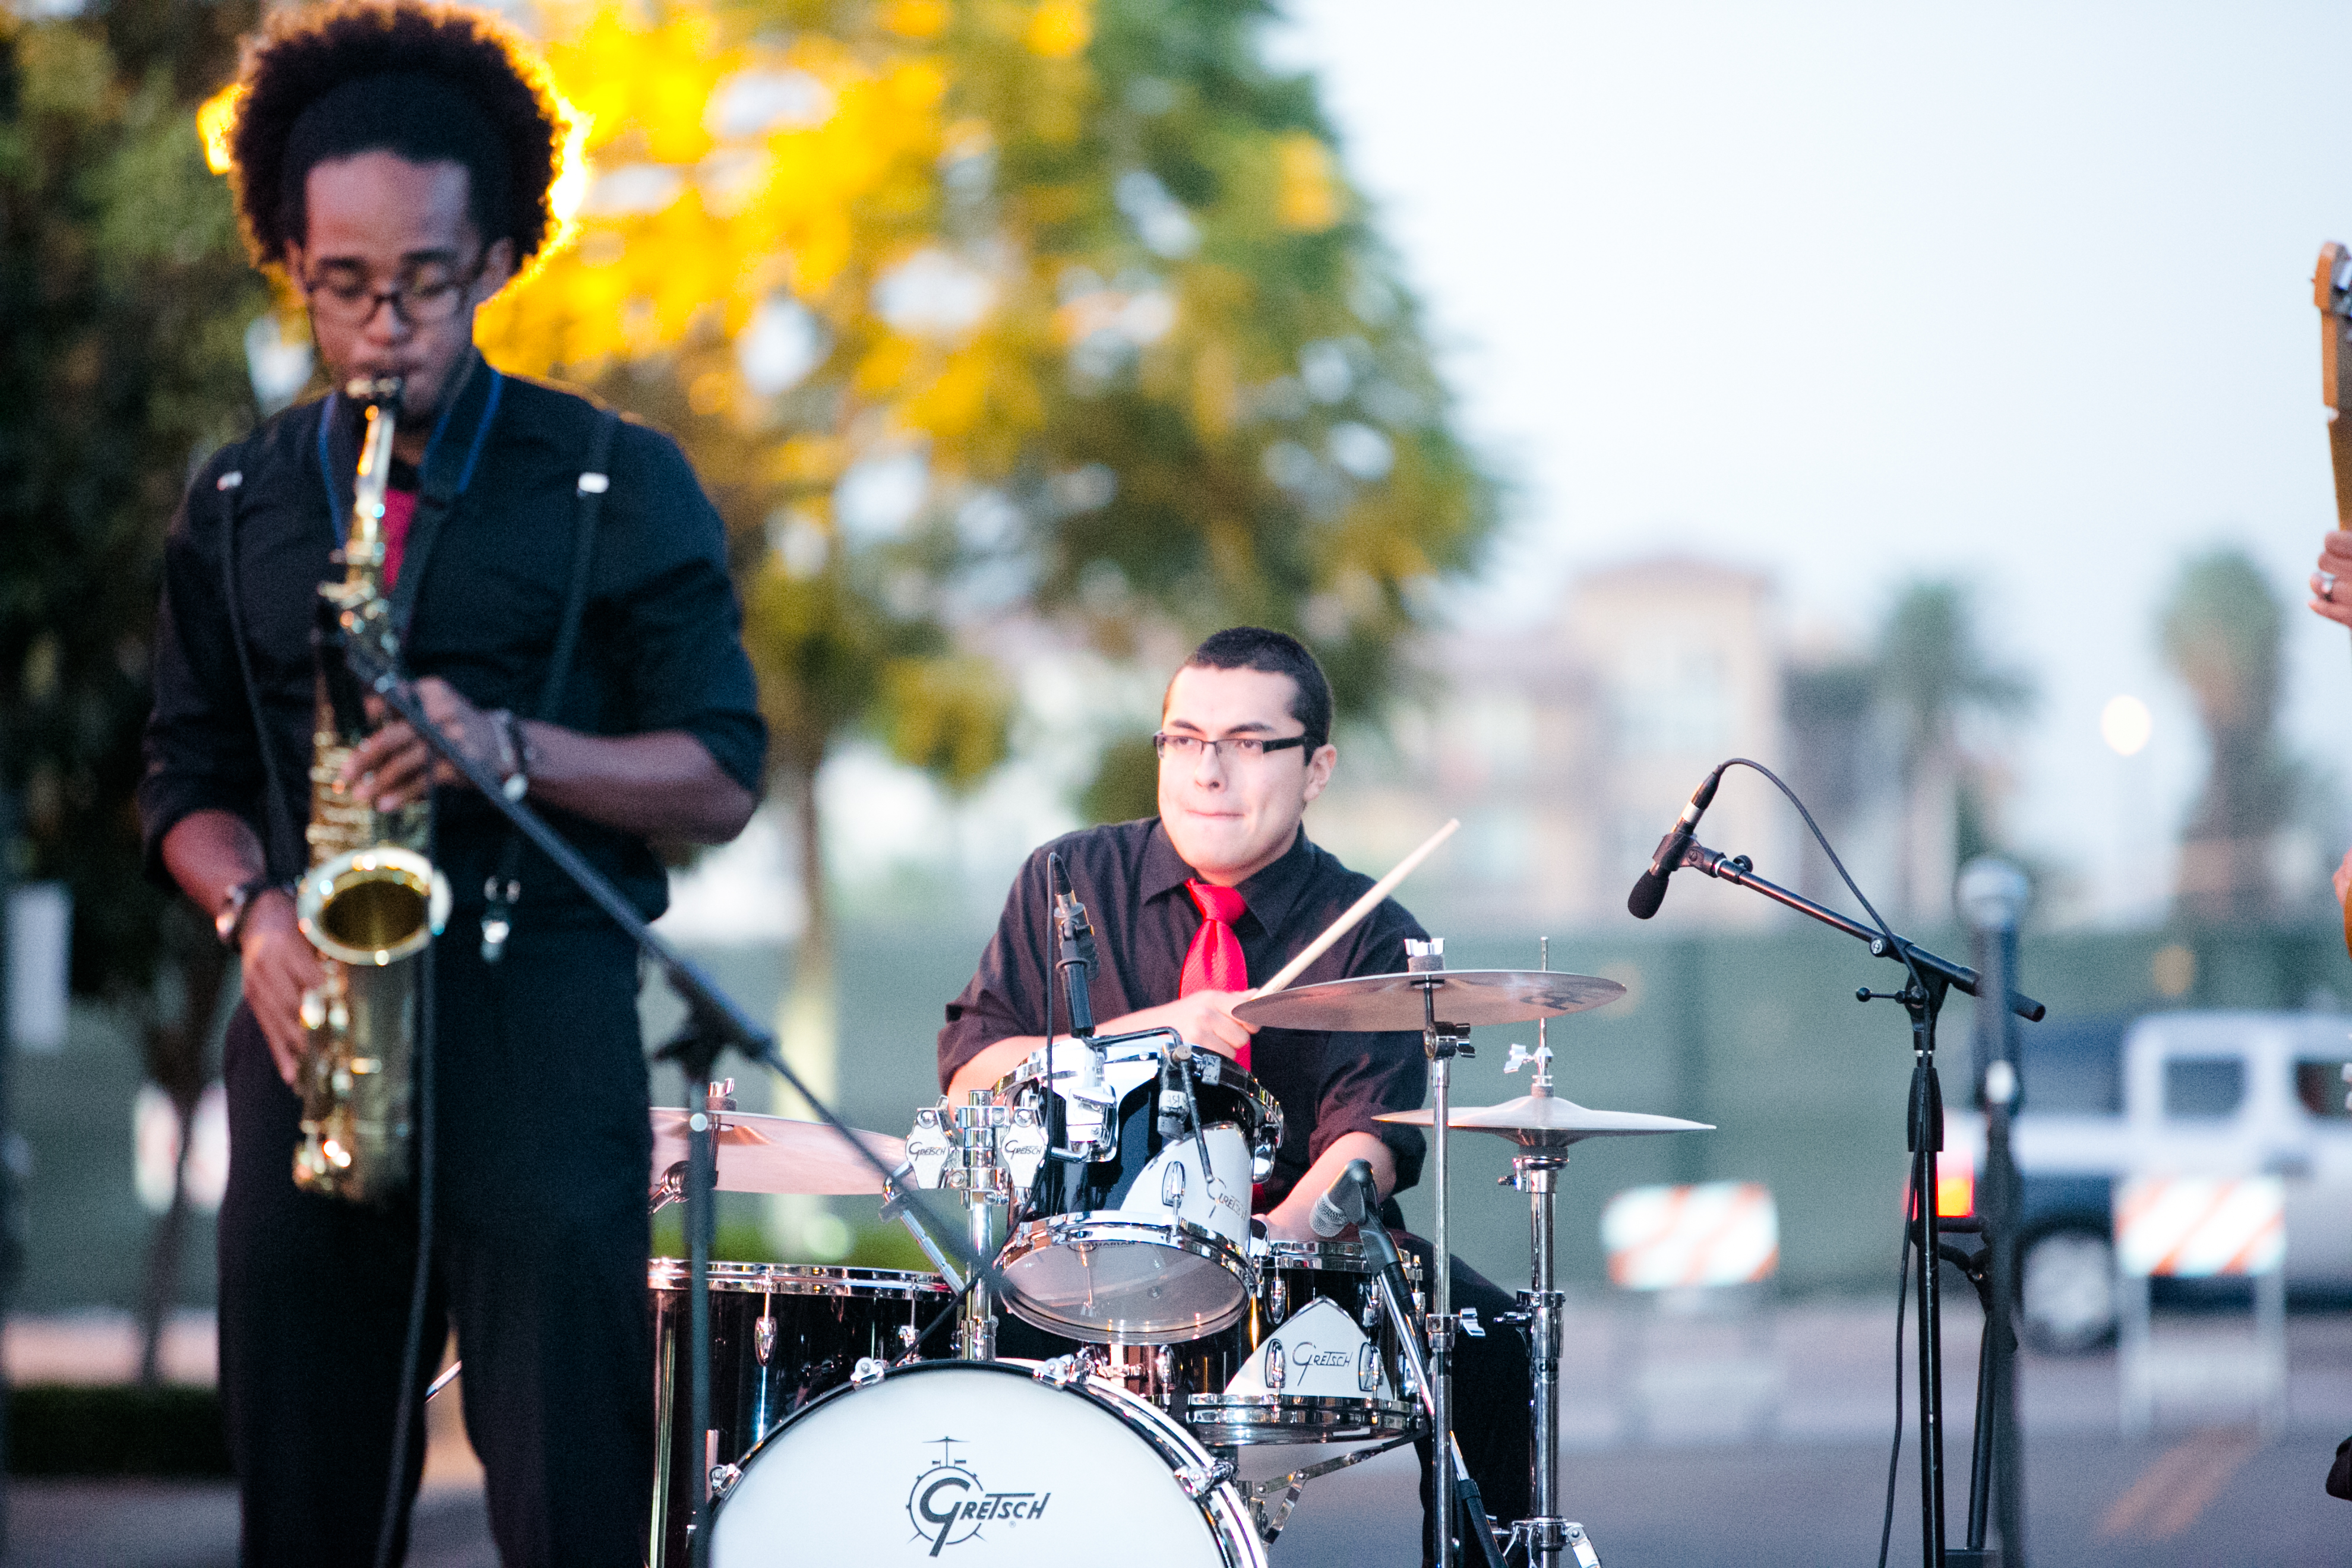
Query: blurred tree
[125, 294]
[1930, 673]
[1002, 310]
[2221, 630]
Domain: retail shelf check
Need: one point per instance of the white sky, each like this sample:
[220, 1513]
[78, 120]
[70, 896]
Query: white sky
[1855, 292]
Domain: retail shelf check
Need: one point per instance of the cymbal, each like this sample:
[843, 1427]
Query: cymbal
[776, 1154]
[1467, 997]
[1547, 1121]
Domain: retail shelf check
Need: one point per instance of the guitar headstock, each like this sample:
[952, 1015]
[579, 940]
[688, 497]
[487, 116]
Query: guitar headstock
[2331, 291]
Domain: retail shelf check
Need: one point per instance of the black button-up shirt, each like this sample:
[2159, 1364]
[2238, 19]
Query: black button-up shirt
[1132, 882]
[659, 647]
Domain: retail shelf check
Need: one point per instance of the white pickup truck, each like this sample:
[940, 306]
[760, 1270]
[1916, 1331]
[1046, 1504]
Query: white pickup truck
[2190, 1092]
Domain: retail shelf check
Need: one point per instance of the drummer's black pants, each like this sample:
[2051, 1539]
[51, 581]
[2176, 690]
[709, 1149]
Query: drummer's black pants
[1493, 1383]
[540, 1241]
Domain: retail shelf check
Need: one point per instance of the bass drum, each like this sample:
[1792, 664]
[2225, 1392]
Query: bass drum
[979, 1465]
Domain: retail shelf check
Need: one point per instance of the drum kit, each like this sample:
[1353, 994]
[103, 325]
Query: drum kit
[1112, 1189]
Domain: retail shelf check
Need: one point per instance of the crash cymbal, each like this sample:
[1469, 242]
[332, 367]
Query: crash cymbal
[775, 1154]
[1547, 1121]
[1467, 997]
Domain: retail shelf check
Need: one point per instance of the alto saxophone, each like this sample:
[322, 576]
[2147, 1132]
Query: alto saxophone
[372, 897]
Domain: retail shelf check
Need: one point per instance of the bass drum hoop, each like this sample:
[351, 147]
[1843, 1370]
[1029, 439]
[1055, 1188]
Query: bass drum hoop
[1115, 1228]
[1220, 1506]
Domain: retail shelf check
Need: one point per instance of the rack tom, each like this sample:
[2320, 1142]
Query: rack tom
[1144, 1237]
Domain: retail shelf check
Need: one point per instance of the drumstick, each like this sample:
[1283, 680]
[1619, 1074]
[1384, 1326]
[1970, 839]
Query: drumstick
[1356, 912]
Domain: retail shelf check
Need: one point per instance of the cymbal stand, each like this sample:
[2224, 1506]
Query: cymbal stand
[1535, 1171]
[1443, 1042]
[987, 1152]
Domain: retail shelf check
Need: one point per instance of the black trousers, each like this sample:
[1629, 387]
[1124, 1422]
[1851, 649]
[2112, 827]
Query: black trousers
[539, 1242]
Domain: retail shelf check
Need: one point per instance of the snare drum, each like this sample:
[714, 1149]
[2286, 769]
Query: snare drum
[1147, 1241]
[1315, 1360]
[980, 1465]
[781, 1336]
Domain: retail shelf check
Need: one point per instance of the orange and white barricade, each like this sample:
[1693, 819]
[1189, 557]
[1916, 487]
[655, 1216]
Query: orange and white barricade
[1713, 1233]
[2202, 1227]
[1702, 1363]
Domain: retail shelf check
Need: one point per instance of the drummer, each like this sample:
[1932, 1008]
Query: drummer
[1222, 886]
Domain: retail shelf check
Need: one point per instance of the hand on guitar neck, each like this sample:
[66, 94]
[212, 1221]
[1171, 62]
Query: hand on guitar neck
[2331, 583]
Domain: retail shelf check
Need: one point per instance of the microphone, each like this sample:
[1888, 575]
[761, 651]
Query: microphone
[1650, 891]
[1349, 1199]
[1078, 940]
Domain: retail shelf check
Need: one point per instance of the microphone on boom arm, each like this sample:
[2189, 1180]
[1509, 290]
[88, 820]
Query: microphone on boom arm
[1650, 891]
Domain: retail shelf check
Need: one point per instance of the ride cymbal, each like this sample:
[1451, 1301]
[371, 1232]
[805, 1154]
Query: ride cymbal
[1467, 997]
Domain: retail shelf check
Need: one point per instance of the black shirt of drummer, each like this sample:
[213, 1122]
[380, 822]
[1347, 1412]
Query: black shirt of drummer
[1132, 882]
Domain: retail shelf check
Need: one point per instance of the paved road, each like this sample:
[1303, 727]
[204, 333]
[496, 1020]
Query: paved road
[2190, 1499]
[1759, 1442]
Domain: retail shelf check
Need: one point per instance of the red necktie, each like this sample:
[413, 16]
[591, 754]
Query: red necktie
[1214, 960]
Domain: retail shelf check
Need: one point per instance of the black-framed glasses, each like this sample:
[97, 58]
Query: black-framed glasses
[1188, 748]
[424, 293]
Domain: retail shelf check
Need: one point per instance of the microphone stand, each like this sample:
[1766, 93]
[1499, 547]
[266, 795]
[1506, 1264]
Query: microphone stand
[714, 1024]
[1931, 977]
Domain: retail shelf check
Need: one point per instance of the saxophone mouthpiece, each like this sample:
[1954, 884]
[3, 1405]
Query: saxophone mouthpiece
[381, 390]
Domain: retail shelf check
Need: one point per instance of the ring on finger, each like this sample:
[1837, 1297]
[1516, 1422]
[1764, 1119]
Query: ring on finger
[2327, 584]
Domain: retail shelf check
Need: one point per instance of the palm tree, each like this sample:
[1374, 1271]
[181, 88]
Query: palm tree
[2222, 631]
[1931, 669]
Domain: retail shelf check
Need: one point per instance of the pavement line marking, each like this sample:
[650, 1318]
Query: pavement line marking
[2176, 1485]
[2221, 1461]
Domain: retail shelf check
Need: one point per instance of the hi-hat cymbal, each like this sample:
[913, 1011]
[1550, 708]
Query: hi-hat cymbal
[1467, 997]
[1547, 1121]
[775, 1154]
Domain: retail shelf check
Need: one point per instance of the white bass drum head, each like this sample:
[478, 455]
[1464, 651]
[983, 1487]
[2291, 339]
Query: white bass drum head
[978, 1465]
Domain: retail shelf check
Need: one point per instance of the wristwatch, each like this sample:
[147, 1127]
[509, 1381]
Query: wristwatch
[228, 920]
[514, 753]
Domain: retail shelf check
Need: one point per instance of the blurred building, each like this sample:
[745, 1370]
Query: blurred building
[1567, 750]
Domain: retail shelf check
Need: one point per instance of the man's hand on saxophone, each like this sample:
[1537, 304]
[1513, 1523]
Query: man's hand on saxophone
[212, 853]
[662, 784]
[280, 965]
[388, 769]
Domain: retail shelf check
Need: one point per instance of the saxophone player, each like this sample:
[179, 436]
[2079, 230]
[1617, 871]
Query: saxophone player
[392, 162]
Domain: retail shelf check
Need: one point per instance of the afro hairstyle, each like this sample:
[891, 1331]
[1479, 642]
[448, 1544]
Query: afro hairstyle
[432, 83]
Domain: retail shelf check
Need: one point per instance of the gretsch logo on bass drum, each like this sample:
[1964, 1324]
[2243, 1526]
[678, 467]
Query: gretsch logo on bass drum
[949, 1504]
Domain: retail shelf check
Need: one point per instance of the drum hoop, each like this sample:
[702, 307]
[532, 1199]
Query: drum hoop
[1220, 1505]
[1313, 1256]
[1046, 1230]
[665, 1274]
[1278, 1404]
[1229, 1077]
[1039, 1235]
